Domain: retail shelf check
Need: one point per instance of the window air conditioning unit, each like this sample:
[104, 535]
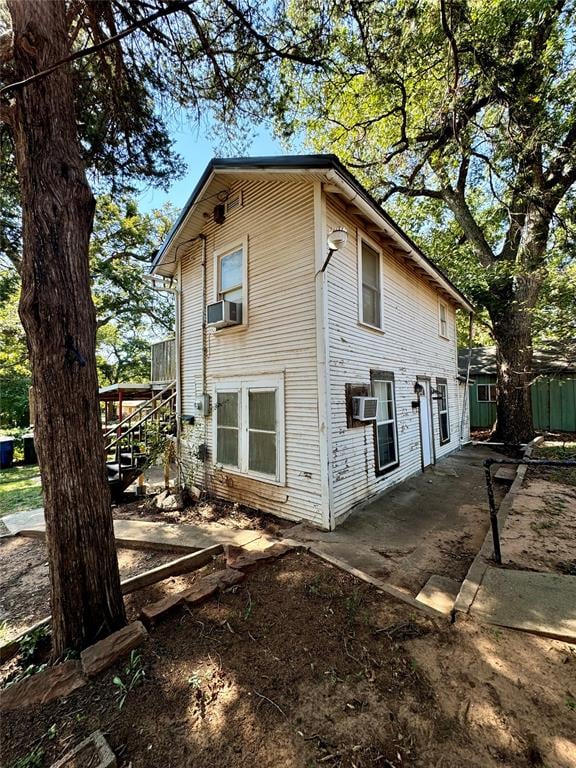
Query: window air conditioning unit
[364, 408]
[221, 314]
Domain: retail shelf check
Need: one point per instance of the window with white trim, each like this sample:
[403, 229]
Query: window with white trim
[443, 418]
[486, 393]
[231, 275]
[386, 432]
[249, 427]
[443, 319]
[371, 285]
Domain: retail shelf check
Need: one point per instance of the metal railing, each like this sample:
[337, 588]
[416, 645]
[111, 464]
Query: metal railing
[488, 464]
[117, 429]
[138, 445]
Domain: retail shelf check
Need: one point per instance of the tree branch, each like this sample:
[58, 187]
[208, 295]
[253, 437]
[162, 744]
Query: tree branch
[174, 7]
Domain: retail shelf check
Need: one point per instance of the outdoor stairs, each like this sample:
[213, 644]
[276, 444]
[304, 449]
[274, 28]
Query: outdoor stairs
[139, 439]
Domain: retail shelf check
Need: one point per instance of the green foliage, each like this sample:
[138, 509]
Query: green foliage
[14, 372]
[31, 640]
[134, 676]
[466, 116]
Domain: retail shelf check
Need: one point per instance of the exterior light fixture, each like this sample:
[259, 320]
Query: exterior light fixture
[336, 240]
[418, 388]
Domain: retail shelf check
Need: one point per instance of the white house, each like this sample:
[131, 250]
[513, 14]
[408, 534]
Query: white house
[280, 337]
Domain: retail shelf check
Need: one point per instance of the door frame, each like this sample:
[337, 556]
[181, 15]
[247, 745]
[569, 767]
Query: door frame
[426, 382]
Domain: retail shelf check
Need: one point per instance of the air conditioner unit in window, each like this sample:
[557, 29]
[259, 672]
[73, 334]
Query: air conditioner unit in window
[221, 314]
[364, 408]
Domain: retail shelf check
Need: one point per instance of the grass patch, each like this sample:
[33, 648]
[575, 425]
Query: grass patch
[20, 489]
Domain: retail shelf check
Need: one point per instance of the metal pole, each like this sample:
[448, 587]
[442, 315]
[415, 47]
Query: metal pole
[493, 515]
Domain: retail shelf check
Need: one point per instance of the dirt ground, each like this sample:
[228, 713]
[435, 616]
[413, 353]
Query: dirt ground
[540, 531]
[304, 666]
[24, 582]
[202, 511]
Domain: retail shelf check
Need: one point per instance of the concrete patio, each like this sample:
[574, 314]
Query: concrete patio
[432, 523]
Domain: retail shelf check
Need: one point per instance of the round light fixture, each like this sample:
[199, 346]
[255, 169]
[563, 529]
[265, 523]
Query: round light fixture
[337, 239]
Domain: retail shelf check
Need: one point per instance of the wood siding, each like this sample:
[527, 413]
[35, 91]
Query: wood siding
[409, 346]
[163, 360]
[277, 220]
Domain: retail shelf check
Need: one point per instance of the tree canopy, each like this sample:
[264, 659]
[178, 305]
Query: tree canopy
[468, 109]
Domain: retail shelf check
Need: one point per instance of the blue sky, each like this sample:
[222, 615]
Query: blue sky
[192, 144]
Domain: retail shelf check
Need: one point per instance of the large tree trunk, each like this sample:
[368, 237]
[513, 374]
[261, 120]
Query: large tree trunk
[512, 326]
[59, 319]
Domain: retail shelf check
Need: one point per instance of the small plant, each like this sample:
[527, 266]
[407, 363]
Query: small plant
[571, 703]
[353, 603]
[34, 759]
[30, 642]
[135, 675]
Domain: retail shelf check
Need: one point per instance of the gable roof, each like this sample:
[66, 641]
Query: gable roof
[555, 359]
[332, 171]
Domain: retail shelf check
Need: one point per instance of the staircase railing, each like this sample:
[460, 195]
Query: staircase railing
[117, 428]
[139, 444]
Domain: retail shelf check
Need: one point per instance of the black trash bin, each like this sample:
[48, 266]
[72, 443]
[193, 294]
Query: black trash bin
[6, 452]
[29, 449]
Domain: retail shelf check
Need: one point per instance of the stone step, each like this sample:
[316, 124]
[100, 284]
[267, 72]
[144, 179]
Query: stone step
[506, 474]
[440, 593]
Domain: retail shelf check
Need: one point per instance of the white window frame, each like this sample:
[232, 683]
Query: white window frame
[491, 388]
[219, 253]
[243, 387]
[362, 238]
[388, 378]
[439, 384]
[442, 305]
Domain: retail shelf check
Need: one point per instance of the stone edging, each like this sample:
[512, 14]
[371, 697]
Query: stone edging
[481, 562]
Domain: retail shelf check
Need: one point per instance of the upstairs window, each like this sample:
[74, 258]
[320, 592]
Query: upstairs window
[442, 395]
[443, 319]
[371, 293]
[231, 276]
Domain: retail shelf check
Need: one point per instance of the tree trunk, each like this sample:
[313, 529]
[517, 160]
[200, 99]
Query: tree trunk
[58, 316]
[512, 326]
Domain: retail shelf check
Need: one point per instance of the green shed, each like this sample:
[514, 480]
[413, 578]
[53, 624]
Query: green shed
[553, 387]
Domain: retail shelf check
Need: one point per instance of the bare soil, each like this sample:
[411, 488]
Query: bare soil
[195, 512]
[304, 666]
[540, 531]
[25, 586]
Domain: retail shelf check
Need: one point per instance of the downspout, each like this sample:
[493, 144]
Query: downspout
[178, 372]
[203, 371]
[465, 405]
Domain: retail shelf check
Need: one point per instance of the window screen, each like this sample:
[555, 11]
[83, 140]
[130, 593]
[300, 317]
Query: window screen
[227, 428]
[231, 276]
[387, 453]
[262, 431]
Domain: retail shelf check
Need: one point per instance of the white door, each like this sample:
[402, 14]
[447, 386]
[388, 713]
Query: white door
[426, 424]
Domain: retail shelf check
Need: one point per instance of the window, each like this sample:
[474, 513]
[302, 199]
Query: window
[228, 428]
[230, 283]
[249, 427]
[262, 431]
[486, 393]
[386, 438]
[231, 275]
[443, 319]
[371, 300]
[442, 396]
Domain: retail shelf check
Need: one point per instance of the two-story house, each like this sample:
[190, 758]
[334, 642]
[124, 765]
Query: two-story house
[316, 344]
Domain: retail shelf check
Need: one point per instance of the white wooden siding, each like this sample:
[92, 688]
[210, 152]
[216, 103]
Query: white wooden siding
[409, 345]
[277, 220]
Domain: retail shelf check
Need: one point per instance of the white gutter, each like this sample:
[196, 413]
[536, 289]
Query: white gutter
[359, 201]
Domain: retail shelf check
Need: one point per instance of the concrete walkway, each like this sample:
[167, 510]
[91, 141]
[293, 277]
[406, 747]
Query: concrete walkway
[541, 603]
[432, 523]
[143, 535]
